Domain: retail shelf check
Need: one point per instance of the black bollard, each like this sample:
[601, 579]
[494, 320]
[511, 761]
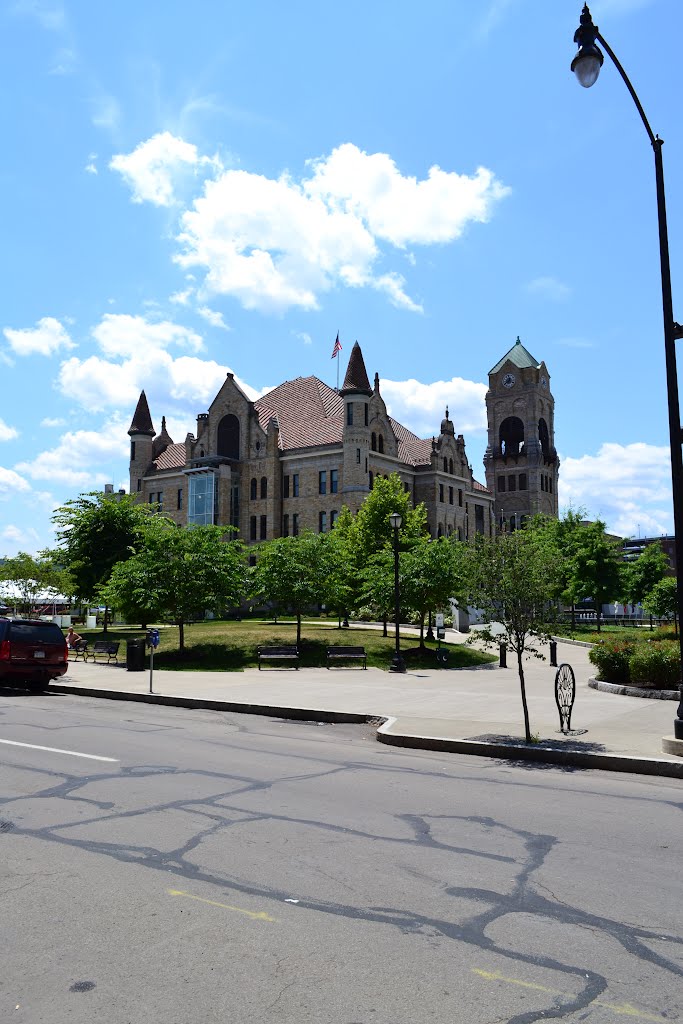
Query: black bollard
[553, 653]
[503, 655]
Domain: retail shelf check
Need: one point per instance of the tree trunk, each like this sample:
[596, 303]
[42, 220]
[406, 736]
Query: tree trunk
[104, 621]
[386, 632]
[520, 669]
[422, 631]
[597, 612]
[181, 636]
[573, 617]
[298, 629]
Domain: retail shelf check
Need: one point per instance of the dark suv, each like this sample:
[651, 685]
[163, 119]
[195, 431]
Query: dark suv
[32, 652]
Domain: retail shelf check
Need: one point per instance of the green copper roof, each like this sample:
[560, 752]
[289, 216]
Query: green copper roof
[517, 355]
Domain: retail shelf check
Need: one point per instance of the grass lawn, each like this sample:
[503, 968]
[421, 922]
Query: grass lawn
[588, 632]
[231, 646]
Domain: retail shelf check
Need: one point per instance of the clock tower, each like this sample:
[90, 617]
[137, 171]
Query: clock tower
[521, 462]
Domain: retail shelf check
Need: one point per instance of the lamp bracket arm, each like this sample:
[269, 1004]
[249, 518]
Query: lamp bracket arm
[654, 140]
[677, 331]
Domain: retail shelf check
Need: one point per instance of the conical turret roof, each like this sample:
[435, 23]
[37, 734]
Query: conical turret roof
[142, 421]
[162, 441]
[518, 355]
[356, 379]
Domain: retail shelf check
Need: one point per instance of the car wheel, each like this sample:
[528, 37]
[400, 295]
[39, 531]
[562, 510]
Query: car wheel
[36, 685]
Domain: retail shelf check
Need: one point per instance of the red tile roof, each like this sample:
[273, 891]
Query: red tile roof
[413, 450]
[480, 487]
[172, 457]
[308, 413]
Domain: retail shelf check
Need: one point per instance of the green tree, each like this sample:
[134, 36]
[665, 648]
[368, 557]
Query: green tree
[429, 577]
[289, 573]
[642, 574]
[95, 532]
[662, 600]
[566, 535]
[179, 575]
[370, 532]
[337, 570]
[34, 578]
[594, 567]
[512, 578]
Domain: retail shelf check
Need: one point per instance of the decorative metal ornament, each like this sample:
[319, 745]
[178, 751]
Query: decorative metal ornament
[565, 691]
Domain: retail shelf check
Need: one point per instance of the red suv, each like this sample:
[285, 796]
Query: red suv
[32, 652]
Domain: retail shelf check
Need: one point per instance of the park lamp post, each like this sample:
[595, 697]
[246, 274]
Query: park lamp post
[397, 662]
[586, 65]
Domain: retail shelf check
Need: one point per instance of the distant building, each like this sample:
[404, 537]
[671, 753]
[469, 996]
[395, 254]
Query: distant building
[291, 460]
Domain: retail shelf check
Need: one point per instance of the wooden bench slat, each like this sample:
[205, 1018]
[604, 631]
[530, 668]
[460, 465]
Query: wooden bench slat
[108, 647]
[278, 652]
[341, 652]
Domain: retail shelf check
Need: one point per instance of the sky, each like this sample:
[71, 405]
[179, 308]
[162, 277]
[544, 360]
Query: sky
[194, 189]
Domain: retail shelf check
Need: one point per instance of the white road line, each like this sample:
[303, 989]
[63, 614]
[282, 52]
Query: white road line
[56, 750]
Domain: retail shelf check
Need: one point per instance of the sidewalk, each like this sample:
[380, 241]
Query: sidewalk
[467, 710]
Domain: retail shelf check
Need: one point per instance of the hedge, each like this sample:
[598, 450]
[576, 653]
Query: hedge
[638, 663]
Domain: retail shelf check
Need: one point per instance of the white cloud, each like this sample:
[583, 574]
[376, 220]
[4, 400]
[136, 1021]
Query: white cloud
[123, 335]
[91, 166]
[213, 317]
[155, 165]
[549, 288]
[49, 421]
[75, 459]
[303, 336]
[7, 433]
[421, 407]
[628, 486]
[11, 483]
[46, 338]
[24, 539]
[181, 298]
[277, 243]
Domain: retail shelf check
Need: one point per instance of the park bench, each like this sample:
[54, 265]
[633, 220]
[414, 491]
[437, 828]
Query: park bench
[340, 653]
[283, 652]
[80, 650]
[108, 647]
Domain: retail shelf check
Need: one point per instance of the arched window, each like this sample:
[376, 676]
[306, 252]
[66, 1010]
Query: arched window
[373, 441]
[450, 466]
[511, 436]
[513, 524]
[439, 532]
[543, 436]
[372, 479]
[381, 443]
[253, 490]
[228, 437]
[264, 486]
[445, 465]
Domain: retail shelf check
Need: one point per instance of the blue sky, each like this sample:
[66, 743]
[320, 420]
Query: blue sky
[192, 189]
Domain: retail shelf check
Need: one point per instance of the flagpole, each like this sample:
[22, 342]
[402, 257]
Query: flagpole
[337, 373]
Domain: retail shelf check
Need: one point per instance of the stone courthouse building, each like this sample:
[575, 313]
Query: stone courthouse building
[290, 460]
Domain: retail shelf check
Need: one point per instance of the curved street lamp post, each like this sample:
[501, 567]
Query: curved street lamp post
[397, 662]
[586, 65]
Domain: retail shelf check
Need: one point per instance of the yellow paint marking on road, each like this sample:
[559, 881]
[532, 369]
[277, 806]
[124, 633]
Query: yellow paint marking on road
[259, 915]
[623, 1009]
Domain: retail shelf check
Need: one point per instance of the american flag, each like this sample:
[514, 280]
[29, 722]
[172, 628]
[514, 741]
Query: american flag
[337, 347]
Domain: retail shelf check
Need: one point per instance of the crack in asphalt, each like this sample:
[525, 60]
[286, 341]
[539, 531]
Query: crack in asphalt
[526, 895]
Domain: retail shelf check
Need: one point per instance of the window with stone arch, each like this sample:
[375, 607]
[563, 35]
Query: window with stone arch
[439, 532]
[373, 441]
[450, 466]
[228, 437]
[264, 486]
[253, 489]
[381, 444]
[511, 436]
[543, 436]
[445, 464]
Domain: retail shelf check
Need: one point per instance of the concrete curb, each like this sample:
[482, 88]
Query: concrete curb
[572, 643]
[509, 751]
[633, 691]
[537, 753]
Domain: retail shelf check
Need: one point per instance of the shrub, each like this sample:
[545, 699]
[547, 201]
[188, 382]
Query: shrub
[611, 658]
[656, 665]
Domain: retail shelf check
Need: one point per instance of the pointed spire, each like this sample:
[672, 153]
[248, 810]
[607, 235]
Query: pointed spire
[142, 421]
[356, 379]
[162, 441]
[376, 383]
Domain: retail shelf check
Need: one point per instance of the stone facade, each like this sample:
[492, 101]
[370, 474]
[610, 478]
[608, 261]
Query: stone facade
[521, 462]
[289, 461]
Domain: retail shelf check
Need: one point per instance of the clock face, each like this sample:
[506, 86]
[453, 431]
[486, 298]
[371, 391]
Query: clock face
[508, 380]
[544, 382]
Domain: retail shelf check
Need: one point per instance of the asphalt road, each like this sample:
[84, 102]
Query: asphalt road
[221, 868]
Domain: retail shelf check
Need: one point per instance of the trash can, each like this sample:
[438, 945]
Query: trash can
[135, 654]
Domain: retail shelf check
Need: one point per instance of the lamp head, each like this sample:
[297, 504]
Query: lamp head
[396, 519]
[588, 61]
